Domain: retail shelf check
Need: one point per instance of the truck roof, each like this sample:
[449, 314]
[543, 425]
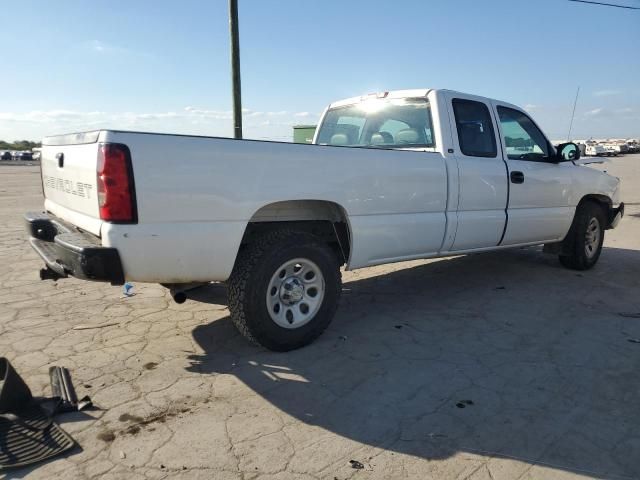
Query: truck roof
[416, 92]
[409, 93]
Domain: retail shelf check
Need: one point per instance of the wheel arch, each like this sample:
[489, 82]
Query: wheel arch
[599, 199]
[326, 219]
[603, 200]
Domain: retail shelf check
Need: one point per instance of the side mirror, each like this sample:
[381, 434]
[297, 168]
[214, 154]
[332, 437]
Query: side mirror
[567, 152]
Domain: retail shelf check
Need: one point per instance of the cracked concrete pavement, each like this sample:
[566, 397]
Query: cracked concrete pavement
[495, 366]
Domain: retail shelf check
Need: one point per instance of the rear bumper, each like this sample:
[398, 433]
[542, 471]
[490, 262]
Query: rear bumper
[615, 215]
[70, 252]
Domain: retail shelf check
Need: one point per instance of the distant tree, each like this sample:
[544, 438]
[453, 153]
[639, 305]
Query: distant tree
[19, 145]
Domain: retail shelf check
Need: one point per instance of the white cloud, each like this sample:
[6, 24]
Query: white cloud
[189, 120]
[66, 116]
[302, 114]
[212, 114]
[619, 114]
[594, 113]
[247, 112]
[50, 116]
[100, 47]
[606, 93]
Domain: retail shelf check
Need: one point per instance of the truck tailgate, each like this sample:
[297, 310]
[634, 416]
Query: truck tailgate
[69, 180]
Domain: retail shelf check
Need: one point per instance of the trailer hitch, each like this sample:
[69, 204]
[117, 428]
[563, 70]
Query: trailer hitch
[50, 274]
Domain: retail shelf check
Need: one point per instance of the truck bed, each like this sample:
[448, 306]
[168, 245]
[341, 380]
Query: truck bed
[196, 195]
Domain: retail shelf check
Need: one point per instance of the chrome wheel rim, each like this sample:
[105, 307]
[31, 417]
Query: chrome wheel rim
[295, 293]
[592, 238]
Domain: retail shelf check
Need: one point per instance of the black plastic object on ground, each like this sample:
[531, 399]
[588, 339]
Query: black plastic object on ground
[27, 433]
[14, 393]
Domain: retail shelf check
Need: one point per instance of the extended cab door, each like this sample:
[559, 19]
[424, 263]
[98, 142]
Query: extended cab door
[539, 188]
[482, 174]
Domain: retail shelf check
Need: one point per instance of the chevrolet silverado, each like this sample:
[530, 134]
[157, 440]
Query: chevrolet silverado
[391, 176]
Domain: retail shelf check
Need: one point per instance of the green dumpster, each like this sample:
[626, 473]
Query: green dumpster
[303, 133]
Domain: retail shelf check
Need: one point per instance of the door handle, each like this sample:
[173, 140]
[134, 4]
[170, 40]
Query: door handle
[517, 177]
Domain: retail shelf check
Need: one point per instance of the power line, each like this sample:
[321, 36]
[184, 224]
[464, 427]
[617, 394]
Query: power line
[606, 4]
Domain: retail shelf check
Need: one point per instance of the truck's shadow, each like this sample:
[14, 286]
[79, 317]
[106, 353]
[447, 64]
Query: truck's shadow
[503, 354]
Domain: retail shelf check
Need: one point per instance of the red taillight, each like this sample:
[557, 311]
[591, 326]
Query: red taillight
[116, 193]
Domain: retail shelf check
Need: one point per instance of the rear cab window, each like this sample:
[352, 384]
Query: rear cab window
[476, 135]
[379, 123]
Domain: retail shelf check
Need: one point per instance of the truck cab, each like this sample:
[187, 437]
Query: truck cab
[510, 185]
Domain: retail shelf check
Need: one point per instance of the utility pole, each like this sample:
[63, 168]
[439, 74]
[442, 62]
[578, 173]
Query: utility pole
[235, 68]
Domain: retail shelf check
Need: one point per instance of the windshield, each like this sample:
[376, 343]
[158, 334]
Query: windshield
[379, 123]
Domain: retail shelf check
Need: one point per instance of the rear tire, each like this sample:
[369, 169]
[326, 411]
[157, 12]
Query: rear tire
[283, 312]
[583, 244]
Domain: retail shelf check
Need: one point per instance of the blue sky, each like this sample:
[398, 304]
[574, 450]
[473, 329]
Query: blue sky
[164, 65]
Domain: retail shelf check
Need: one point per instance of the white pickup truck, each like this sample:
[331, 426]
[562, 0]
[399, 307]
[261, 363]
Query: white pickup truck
[392, 176]
[596, 150]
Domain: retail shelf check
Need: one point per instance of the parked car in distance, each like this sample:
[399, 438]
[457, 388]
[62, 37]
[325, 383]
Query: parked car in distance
[21, 155]
[611, 150]
[5, 155]
[596, 150]
[392, 176]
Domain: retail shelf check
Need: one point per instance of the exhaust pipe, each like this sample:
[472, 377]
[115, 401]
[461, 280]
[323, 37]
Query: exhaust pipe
[179, 291]
[179, 296]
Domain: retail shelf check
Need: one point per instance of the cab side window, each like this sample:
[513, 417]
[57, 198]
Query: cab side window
[523, 140]
[475, 129]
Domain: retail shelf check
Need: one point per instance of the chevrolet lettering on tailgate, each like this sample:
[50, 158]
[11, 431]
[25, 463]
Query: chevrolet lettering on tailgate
[74, 188]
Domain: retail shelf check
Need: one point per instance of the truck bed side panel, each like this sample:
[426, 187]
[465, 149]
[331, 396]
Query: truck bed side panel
[195, 189]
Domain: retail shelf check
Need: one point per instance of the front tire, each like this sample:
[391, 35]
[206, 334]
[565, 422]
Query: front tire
[284, 290]
[583, 245]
